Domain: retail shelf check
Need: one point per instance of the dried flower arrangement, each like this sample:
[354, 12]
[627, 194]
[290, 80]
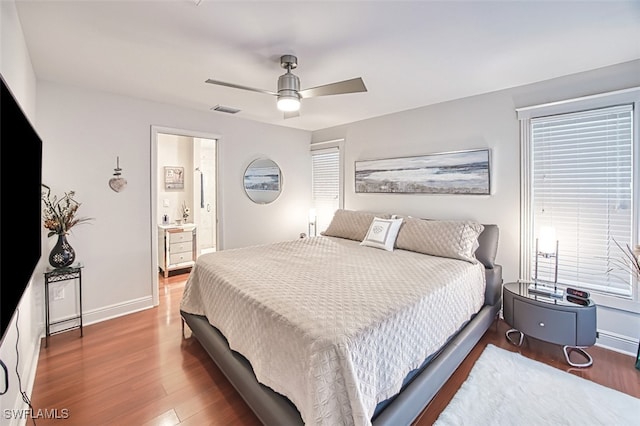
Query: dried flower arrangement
[185, 211]
[60, 214]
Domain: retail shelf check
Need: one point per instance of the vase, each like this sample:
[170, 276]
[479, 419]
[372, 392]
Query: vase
[62, 254]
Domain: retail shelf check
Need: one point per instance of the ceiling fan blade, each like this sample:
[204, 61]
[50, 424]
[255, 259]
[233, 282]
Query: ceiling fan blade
[237, 86]
[291, 114]
[354, 85]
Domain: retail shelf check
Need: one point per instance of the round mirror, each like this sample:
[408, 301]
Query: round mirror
[263, 181]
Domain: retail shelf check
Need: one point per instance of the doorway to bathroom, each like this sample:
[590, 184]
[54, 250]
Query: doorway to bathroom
[184, 188]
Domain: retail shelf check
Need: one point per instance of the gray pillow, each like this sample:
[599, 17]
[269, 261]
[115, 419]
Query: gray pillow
[351, 224]
[445, 238]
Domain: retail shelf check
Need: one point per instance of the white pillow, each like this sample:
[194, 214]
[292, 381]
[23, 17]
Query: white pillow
[382, 233]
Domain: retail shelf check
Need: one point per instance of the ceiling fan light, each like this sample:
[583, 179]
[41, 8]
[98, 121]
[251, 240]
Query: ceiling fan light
[288, 103]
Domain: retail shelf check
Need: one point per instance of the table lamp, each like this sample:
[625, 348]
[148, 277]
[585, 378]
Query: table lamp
[312, 222]
[546, 247]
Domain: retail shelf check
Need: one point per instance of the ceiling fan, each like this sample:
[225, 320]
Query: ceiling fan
[289, 93]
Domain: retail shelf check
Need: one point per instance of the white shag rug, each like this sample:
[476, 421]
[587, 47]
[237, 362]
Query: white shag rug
[506, 388]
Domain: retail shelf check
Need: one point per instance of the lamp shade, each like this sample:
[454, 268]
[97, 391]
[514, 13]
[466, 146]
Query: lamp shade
[312, 215]
[547, 240]
[288, 103]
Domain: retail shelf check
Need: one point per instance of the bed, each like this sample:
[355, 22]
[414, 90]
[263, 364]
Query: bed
[345, 328]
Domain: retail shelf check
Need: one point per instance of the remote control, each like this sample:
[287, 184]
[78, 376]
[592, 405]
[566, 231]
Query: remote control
[578, 293]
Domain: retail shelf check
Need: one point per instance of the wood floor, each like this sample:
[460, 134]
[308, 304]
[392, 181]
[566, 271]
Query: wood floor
[138, 370]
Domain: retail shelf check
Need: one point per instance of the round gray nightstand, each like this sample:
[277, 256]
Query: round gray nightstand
[551, 319]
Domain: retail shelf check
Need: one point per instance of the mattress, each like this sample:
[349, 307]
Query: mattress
[332, 325]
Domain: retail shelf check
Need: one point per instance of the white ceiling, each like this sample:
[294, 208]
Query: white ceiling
[409, 53]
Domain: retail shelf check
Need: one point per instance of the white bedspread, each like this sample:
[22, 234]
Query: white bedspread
[330, 324]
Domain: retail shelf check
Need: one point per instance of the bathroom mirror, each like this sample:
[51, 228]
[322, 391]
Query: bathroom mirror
[262, 181]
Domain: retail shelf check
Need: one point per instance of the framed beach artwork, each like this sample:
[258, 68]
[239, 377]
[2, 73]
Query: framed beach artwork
[461, 172]
[262, 179]
[174, 177]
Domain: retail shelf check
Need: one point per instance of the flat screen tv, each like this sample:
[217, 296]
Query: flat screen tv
[20, 204]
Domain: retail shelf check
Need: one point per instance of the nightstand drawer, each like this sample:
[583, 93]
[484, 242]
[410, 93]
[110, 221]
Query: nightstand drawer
[179, 237]
[181, 247]
[548, 324]
[180, 258]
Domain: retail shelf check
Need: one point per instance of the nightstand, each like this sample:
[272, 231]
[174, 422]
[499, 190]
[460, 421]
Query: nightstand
[551, 319]
[177, 247]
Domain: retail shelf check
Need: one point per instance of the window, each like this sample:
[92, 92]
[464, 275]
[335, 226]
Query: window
[578, 177]
[326, 185]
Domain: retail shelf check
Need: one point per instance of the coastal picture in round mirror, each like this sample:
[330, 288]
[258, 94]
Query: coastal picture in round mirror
[263, 181]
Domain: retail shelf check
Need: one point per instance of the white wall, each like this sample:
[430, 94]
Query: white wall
[84, 132]
[17, 70]
[452, 126]
[484, 121]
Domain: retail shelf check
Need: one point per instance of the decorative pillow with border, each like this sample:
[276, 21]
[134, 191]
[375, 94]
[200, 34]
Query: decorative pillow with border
[444, 238]
[351, 224]
[382, 233]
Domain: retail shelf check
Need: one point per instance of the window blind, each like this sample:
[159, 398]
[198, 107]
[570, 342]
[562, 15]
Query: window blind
[325, 169]
[582, 185]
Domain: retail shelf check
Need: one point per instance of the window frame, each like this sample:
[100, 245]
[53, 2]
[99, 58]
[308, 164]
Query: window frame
[602, 100]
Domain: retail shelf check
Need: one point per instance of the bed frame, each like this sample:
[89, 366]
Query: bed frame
[273, 408]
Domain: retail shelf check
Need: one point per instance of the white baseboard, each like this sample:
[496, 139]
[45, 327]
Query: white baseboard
[117, 310]
[103, 313]
[617, 342]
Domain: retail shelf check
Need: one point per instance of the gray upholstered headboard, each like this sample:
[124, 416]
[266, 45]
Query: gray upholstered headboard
[486, 254]
[488, 246]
